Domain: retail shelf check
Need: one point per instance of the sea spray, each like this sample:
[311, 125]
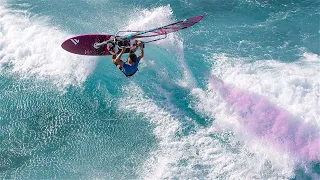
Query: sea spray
[272, 123]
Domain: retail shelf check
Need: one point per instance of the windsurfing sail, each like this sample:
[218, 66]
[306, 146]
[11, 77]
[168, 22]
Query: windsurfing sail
[177, 26]
[160, 31]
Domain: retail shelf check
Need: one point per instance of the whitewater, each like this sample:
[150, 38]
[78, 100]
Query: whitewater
[236, 96]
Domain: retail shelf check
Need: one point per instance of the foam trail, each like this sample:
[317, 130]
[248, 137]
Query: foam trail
[30, 46]
[188, 80]
[272, 123]
[198, 155]
[165, 131]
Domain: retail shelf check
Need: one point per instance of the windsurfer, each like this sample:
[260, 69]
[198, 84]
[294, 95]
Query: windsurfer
[130, 67]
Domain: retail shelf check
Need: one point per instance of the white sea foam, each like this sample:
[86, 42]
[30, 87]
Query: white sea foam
[227, 149]
[293, 88]
[165, 128]
[147, 19]
[200, 155]
[30, 46]
[307, 56]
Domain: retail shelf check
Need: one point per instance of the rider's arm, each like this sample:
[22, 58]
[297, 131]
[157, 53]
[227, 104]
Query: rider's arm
[114, 56]
[133, 50]
[141, 50]
[117, 59]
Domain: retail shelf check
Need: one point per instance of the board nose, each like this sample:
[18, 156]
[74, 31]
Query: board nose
[71, 45]
[66, 45]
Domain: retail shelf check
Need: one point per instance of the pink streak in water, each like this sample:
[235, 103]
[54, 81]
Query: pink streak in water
[272, 123]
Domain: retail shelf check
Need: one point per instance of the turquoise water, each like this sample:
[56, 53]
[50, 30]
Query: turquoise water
[64, 116]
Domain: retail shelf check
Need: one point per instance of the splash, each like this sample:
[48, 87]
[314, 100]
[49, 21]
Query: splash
[272, 123]
[197, 155]
[30, 46]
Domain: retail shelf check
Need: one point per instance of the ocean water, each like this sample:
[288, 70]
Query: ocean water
[237, 96]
